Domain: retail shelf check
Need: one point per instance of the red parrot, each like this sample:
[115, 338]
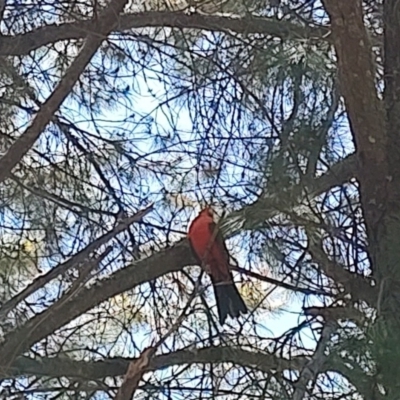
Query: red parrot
[210, 250]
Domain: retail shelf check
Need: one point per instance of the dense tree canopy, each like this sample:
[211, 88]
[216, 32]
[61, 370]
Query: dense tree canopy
[121, 120]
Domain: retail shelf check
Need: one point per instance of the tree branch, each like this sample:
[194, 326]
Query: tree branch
[2, 8]
[268, 206]
[356, 285]
[65, 310]
[105, 24]
[57, 367]
[392, 87]
[134, 374]
[25, 43]
[140, 365]
[365, 110]
[314, 367]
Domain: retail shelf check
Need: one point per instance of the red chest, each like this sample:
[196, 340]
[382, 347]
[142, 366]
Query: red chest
[209, 248]
[200, 237]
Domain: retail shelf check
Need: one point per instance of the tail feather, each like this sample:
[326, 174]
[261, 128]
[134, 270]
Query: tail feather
[229, 301]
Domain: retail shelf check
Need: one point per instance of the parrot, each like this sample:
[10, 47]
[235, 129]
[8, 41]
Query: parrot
[209, 249]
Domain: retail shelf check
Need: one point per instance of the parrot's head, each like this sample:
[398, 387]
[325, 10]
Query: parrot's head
[208, 212]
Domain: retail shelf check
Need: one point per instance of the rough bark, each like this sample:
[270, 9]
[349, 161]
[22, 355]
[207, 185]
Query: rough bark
[365, 111]
[375, 126]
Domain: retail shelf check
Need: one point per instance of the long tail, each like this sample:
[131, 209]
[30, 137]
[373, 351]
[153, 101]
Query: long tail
[229, 301]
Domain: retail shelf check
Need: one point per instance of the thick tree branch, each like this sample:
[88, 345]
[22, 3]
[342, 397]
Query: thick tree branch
[166, 261]
[23, 44]
[268, 206]
[356, 285]
[365, 110]
[134, 375]
[57, 367]
[2, 8]
[116, 367]
[65, 310]
[392, 87]
[104, 25]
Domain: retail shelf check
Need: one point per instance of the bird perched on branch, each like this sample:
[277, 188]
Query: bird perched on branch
[210, 250]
